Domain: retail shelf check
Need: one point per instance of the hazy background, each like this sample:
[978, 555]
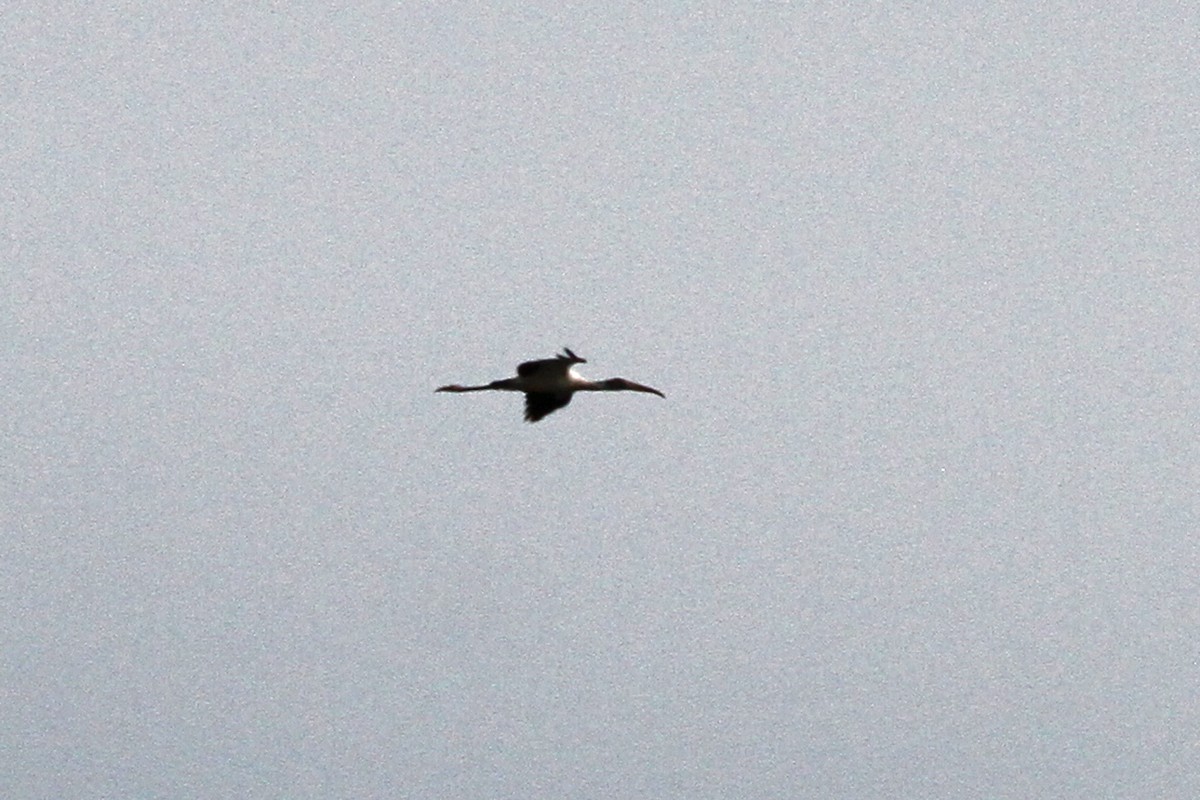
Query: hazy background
[918, 517]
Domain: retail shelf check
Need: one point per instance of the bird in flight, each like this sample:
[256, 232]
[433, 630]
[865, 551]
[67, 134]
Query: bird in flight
[549, 383]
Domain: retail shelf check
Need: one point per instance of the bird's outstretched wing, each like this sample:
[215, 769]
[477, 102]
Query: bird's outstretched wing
[539, 404]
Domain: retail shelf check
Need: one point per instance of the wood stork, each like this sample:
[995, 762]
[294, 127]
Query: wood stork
[549, 383]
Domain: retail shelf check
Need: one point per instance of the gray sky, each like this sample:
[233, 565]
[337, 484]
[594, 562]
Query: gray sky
[917, 518]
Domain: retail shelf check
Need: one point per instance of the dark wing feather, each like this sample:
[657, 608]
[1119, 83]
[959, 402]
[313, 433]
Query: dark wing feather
[534, 367]
[539, 404]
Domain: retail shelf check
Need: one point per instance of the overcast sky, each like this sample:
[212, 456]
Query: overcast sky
[917, 517]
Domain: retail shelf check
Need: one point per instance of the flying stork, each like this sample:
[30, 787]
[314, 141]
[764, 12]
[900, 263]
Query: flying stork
[549, 383]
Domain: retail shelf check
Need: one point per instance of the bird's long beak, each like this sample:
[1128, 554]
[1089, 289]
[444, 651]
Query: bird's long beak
[637, 387]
